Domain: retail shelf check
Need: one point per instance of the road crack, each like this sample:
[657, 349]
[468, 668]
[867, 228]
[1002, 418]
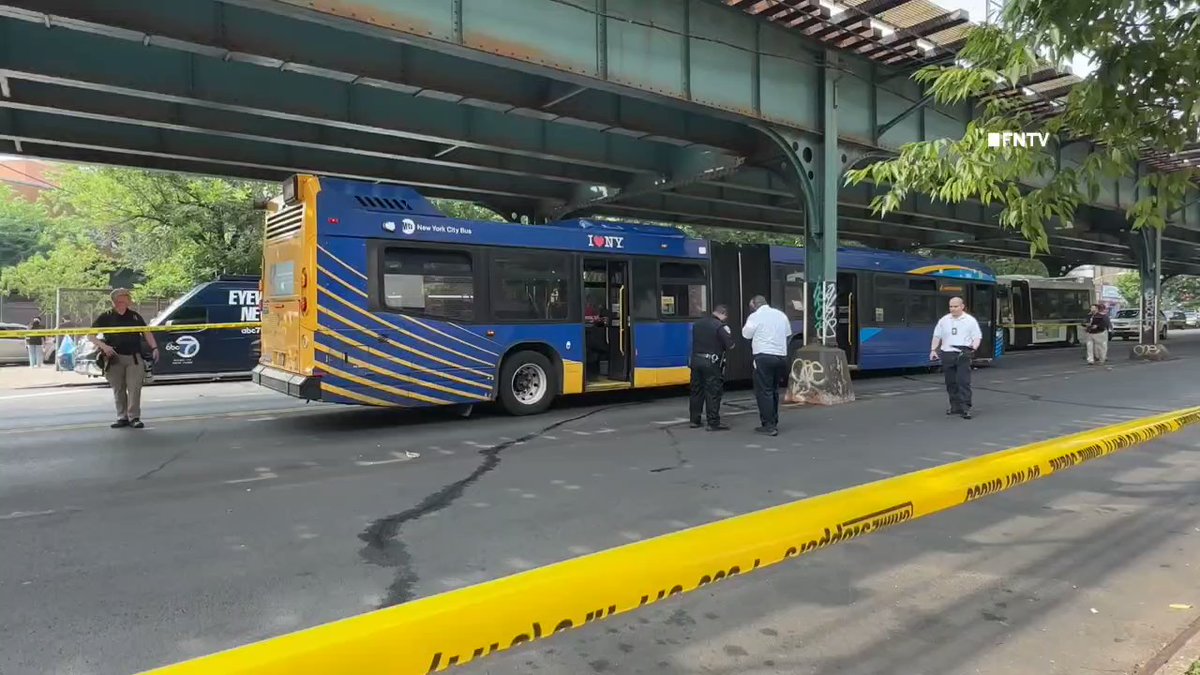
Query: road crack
[179, 455]
[382, 544]
[680, 460]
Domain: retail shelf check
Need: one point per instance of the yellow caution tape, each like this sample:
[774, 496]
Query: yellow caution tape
[436, 632]
[191, 328]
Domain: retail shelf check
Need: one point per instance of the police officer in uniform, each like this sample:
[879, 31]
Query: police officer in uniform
[711, 338]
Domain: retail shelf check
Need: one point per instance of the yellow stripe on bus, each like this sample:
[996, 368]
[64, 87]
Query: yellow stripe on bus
[402, 331]
[412, 319]
[339, 261]
[342, 281]
[403, 378]
[354, 396]
[337, 317]
[433, 633]
[381, 387]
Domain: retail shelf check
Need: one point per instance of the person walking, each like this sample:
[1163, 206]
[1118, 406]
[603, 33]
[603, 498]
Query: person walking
[122, 358]
[34, 344]
[768, 331]
[711, 338]
[955, 339]
[1096, 335]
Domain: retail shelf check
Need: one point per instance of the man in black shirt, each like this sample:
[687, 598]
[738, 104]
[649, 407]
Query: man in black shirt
[711, 338]
[1096, 339]
[122, 357]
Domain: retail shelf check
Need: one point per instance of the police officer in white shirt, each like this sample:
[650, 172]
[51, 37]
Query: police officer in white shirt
[768, 331]
[955, 340]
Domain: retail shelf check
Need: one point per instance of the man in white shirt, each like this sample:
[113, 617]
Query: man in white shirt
[955, 340]
[768, 331]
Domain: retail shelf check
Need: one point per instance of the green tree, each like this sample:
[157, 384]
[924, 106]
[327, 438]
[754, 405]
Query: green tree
[66, 266]
[21, 226]
[466, 210]
[1182, 290]
[176, 230]
[1144, 92]
[1130, 286]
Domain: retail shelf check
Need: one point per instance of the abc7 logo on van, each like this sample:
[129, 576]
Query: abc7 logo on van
[185, 346]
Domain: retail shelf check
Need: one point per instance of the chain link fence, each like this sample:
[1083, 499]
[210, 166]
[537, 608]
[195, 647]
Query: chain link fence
[79, 307]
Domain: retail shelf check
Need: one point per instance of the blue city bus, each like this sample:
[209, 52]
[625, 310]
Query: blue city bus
[373, 296]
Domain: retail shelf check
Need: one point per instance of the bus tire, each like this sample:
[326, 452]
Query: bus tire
[528, 383]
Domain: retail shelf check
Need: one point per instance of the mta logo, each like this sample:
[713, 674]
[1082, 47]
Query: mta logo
[605, 241]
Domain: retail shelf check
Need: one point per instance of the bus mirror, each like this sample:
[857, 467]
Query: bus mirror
[291, 190]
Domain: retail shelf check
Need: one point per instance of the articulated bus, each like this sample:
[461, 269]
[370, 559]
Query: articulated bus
[372, 296]
[1041, 310]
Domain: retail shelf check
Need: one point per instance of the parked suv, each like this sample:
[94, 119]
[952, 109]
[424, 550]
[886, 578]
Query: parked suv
[1127, 324]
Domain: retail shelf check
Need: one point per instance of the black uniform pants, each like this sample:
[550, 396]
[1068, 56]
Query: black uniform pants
[956, 366]
[708, 386]
[769, 372]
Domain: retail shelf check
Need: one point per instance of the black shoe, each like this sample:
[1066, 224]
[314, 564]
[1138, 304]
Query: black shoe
[767, 431]
[120, 424]
[136, 423]
[966, 414]
[952, 411]
[718, 427]
[696, 424]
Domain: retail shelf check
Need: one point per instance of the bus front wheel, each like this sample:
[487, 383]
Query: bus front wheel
[527, 383]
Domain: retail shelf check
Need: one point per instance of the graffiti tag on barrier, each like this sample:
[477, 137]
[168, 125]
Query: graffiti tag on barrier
[808, 373]
[1147, 350]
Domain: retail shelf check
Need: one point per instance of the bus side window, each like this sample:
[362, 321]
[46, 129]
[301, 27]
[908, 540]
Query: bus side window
[684, 290]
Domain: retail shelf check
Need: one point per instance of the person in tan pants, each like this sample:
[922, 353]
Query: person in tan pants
[122, 352]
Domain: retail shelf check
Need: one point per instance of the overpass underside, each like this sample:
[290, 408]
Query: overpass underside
[684, 111]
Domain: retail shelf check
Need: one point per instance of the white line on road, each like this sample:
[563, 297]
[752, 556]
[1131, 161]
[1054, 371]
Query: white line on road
[263, 474]
[396, 457]
[262, 419]
[677, 420]
[27, 514]
[40, 394]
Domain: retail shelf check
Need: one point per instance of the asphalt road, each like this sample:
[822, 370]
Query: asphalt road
[238, 514]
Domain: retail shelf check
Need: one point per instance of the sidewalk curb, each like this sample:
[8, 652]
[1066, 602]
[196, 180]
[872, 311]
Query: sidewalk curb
[1176, 657]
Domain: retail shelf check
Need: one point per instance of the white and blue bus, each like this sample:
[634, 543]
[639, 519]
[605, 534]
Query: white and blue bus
[372, 296]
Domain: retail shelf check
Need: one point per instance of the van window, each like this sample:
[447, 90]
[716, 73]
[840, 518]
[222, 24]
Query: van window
[189, 316]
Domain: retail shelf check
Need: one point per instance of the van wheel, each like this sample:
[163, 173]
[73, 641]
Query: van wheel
[527, 383]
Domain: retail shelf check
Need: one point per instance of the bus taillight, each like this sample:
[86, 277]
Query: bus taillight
[303, 305]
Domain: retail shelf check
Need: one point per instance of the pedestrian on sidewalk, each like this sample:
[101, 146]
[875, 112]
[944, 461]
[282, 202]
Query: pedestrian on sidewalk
[1096, 335]
[711, 338]
[34, 344]
[955, 339]
[768, 331]
[121, 358]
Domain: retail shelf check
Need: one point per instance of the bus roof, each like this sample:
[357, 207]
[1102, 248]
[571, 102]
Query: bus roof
[367, 210]
[892, 261]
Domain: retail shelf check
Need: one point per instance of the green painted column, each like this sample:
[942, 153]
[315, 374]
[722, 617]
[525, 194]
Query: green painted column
[820, 373]
[821, 236]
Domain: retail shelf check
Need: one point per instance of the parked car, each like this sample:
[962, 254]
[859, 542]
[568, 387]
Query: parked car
[12, 349]
[1192, 319]
[1176, 319]
[1127, 324]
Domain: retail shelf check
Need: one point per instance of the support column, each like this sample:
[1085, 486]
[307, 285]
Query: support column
[820, 372]
[1149, 257]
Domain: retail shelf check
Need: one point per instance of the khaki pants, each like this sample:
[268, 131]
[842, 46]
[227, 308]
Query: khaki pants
[1097, 346]
[126, 374]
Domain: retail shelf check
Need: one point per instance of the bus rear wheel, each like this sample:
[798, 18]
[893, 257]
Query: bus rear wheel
[527, 383]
